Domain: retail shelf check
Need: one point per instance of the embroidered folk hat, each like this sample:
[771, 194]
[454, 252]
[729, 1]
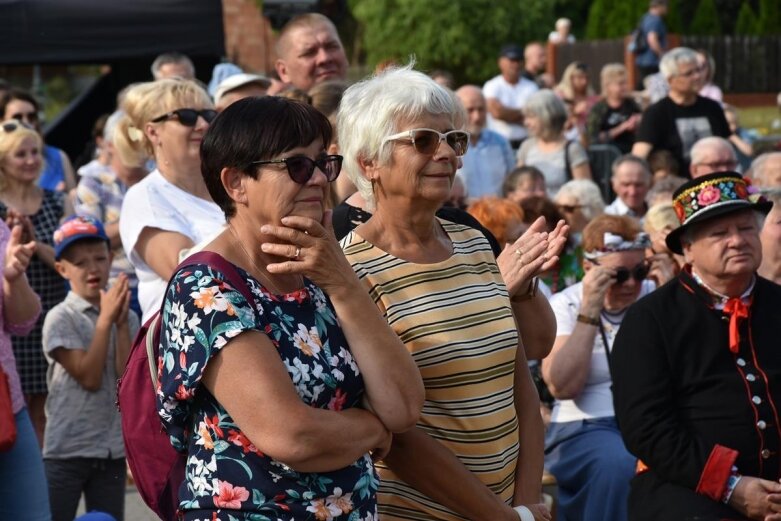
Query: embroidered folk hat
[77, 228]
[710, 196]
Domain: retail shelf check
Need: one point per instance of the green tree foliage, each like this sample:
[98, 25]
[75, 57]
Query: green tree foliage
[747, 20]
[617, 18]
[769, 20]
[463, 37]
[706, 20]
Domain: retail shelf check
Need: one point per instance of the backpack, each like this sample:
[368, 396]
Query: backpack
[157, 468]
[638, 43]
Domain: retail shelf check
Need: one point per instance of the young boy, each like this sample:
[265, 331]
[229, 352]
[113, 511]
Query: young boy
[86, 339]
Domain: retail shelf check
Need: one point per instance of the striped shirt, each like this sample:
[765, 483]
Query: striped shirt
[456, 320]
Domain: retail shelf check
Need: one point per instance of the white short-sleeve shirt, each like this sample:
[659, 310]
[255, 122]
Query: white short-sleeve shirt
[513, 96]
[156, 203]
[596, 399]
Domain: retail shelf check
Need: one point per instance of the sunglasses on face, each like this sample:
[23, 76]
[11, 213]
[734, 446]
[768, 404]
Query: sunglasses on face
[11, 125]
[188, 117]
[301, 168]
[426, 141]
[639, 273]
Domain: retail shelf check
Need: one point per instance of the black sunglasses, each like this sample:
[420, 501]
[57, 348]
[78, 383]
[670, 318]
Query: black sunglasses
[639, 272]
[188, 117]
[10, 126]
[301, 168]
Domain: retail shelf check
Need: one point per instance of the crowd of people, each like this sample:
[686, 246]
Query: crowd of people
[474, 302]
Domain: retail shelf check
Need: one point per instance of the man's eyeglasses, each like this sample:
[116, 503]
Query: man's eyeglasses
[639, 272]
[301, 168]
[188, 117]
[12, 124]
[426, 141]
[720, 166]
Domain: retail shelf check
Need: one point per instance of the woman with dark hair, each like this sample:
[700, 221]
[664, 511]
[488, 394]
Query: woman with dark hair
[58, 174]
[280, 402]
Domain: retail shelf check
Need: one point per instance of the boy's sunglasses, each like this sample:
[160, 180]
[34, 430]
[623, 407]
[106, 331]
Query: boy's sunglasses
[426, 141]
[188, 117]
[301, 168]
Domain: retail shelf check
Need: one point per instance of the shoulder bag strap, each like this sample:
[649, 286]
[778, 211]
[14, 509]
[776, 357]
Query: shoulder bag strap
[567, 166]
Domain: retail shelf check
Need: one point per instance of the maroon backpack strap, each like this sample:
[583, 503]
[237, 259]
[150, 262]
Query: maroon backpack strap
[221, 264]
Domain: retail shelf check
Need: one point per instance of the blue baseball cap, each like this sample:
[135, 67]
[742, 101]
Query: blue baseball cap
[77, 228]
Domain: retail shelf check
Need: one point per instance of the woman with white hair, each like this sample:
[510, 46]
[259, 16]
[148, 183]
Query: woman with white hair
[559, 159]
[476, 451]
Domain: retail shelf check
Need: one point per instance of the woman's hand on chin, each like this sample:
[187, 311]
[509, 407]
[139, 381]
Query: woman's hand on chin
[312, 250]
[535, 252]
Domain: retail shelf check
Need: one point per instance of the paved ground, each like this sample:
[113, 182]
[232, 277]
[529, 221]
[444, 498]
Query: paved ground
[135, 509]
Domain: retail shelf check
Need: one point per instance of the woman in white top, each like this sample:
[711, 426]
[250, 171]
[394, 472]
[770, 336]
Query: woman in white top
[547, 149]
[170, 211]
[583, 447]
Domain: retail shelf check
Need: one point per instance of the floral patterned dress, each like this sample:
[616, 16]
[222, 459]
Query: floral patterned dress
[227, 477]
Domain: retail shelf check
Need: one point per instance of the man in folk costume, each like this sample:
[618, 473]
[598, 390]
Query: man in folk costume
[696, 368]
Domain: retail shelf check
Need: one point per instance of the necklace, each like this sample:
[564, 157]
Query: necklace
[266, 275]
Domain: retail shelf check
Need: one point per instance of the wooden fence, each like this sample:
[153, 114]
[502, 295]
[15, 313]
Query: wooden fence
[744, 64]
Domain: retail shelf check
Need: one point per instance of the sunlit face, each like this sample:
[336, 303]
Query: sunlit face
[631, 183]
[535, 58]
[24, 164]
[86, 266]
[618, 88]
[771, 173]
[579, 81]
[474, 104]
[313, 54]
[572, 210]
[175, 70]
[274, 195]
[510, 69]
[687, 80]
[725, 247]
[621, 296]
[527, 187]
[532, 123]
[714, 158]
[177, 144]
[411, 175]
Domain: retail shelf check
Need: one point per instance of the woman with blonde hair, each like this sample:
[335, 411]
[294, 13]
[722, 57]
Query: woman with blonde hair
[170, 210]
[576, 92]
[614, 119]
[38, 211]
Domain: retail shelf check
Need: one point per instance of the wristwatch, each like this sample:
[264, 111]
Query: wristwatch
[535, 283]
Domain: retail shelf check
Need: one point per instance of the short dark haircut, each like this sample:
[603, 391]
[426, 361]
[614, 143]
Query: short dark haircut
[16, 94]
[67, 253]
[254, 129]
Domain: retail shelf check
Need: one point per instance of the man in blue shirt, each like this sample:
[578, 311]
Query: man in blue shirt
[655, 32]
[489, 158]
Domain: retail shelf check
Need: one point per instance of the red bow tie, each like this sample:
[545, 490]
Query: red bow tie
[737, 309]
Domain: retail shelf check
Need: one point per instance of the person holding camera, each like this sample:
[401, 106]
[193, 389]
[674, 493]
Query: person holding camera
[583, 447]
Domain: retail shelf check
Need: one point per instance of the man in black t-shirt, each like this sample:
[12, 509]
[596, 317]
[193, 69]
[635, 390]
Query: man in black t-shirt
[681, 119]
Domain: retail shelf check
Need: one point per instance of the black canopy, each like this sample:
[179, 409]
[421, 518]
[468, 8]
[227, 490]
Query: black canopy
[104, 31]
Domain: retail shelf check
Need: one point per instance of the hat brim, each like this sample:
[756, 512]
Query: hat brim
[673, 239]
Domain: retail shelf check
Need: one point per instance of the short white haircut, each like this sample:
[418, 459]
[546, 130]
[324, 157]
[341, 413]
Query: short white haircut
[701, 146]
[376, 107]
[171, 57]
[671, 61]
[588, 195]
[758, 167]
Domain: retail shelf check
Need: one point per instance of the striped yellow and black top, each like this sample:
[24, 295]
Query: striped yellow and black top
[455, 318]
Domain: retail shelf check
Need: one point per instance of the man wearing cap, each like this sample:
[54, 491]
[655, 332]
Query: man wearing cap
[239, 86]
[696, 367]
[506, 95]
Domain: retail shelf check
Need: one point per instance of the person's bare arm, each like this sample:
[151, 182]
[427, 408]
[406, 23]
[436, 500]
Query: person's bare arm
[742, 145]
[504, 113]
[655, 44]
[581, 171]
[68, 173]
[431, 468]
[276, 420]
[642, 149]
[112, 231]
[159, 249]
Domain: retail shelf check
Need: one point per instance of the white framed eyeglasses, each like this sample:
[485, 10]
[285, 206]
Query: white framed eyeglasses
[426, 140]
